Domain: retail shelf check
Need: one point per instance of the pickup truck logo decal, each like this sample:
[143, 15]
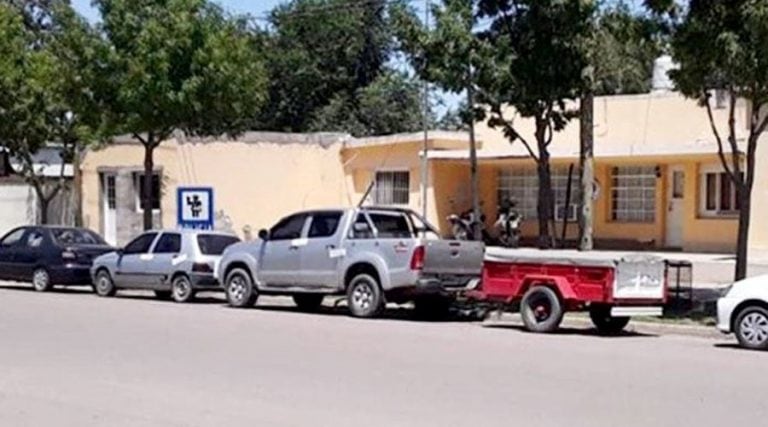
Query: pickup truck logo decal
[401, 247]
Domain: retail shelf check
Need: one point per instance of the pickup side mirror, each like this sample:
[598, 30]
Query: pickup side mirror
[264, 234]
[361, 227]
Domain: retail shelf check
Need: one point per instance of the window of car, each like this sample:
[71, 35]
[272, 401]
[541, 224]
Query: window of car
[34, 239]
[169, 243]
[13, 237]
[215, 244]
[76, 236]
[140, 245]
[324, 224]
[361, 228]
[288, 228]
[391, 225]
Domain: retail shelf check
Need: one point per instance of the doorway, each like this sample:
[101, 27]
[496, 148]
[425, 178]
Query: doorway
[109, 207]
[675, 208]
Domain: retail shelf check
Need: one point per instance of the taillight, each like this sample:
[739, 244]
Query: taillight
[417, 259]
[201, 267]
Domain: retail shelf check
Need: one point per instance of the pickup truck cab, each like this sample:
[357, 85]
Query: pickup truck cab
[372, 255]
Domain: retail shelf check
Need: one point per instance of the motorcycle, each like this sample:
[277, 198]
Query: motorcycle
[463, 226]
[507, 225]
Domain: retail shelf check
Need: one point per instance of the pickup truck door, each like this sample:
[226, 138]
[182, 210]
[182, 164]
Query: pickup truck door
[395, 241]
[281, 258]
[320, 257]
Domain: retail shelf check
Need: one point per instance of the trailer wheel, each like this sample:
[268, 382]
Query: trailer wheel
[604, 322]
[541, 309]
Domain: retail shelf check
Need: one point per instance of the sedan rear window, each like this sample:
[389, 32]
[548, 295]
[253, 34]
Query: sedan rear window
[76, 236]
[214, 244]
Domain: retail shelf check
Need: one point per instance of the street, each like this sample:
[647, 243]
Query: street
[69, 358]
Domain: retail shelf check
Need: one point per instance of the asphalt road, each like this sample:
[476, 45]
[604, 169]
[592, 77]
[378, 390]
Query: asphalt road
[73, 359]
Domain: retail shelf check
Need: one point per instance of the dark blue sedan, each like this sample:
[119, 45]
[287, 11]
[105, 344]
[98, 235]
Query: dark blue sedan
[48, 256]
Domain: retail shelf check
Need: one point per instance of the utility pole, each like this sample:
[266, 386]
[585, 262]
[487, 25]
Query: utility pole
[475, 187]
[424, 122]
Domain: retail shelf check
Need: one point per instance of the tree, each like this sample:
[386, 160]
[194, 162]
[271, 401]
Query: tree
[619, 51]
[178, 65]
[327, 62]
[723, 45]
[52, 54]
[536, 67]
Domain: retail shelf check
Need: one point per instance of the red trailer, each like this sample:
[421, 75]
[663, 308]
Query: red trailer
[546, 284]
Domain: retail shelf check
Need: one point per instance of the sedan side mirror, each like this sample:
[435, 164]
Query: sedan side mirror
[264, 234]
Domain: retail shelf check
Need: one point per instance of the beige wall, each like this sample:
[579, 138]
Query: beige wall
[254, 183]
[758, 231]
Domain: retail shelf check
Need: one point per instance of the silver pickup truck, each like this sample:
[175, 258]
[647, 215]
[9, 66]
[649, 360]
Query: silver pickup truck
[372, 255]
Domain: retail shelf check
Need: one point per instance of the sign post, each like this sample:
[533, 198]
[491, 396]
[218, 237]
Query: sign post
[194, 207]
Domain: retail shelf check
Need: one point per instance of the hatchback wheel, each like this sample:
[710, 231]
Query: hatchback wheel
[751, 328]
[240, 290]
[104, 285]
[41, 280]
[364, 296]
[181, 289]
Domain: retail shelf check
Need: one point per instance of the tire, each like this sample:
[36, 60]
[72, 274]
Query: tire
[364, 296]
[541, 310]
[751, 328]
[104, 285]
[240, 290]
[181, 289]
[41, 280]
[308, 302]
[605, 323]
[163, 295]
[432, 307]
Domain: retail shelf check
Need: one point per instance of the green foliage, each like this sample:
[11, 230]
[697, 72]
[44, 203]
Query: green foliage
[390, 104]
[180, 64]
[327, 65]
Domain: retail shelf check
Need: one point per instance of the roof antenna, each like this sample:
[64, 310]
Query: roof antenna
[366, 194]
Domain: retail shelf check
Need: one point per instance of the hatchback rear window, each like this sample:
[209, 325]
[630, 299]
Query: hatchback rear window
[76, 236]
[214, 244]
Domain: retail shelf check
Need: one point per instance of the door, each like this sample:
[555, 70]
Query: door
[320, 257]
[109, 207]
[164, 258]
[395, 239]
[9, 246]
[281, 259]
[133, 262]
[30, 252]
[675, 208]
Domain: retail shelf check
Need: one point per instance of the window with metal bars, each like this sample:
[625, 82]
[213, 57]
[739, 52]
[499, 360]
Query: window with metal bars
[392, 188]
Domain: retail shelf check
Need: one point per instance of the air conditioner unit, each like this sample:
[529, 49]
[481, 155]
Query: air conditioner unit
[571, 212]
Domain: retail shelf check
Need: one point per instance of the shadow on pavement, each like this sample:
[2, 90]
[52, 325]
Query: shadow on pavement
[390, 313]
[735, 347]
[150, 297]
[567, 330]
[27, 287]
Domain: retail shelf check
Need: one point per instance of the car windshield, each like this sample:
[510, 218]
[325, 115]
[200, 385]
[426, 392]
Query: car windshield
[214, 244]
[76, 236]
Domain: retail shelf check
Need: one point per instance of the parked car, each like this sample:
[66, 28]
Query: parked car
[371, 255]
[174, 264]
[743, 311]
[48, 256]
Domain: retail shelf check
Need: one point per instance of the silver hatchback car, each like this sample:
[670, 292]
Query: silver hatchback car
[172, 263]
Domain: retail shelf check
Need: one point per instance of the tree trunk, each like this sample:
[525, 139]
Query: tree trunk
[149, 167]
[77, 183]
[586, 171]
[475, 187]
[742, 242]
[43, 204]
[545, 206]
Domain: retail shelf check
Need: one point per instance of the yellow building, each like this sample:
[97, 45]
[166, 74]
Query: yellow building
[659, 179]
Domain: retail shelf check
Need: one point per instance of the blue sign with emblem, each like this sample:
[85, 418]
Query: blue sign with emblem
[195, 207]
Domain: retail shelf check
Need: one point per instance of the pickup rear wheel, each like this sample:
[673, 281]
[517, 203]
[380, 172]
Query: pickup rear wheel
[364, 296]
[308, 302]
[240, 290]
[604, 322]
[541, 309]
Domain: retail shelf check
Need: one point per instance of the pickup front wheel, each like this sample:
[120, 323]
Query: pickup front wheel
[240, 290]
[364, 296]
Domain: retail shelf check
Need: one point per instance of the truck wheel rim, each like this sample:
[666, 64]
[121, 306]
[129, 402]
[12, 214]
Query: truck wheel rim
[40, 279]
[541, 308]
[754, 328]
[362, 296]
[237, 288]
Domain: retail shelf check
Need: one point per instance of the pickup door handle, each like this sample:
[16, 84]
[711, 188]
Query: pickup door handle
[330, 246]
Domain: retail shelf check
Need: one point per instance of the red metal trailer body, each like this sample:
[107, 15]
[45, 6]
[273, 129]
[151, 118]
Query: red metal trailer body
[546, 284]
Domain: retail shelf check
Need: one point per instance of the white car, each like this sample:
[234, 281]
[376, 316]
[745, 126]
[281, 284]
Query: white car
[743, 311]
